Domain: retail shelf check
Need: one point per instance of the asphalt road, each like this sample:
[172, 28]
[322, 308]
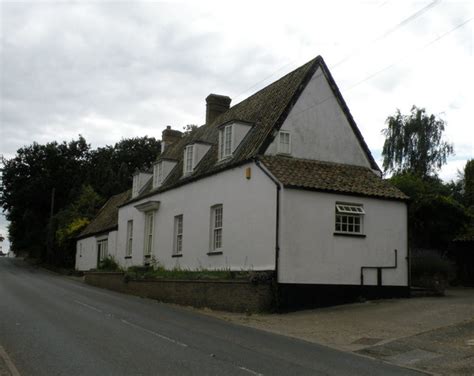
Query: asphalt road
[52, 325]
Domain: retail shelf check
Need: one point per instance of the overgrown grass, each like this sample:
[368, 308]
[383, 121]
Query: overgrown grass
[140, 272]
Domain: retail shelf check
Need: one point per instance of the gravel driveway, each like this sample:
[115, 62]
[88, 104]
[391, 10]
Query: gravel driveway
[434, 334]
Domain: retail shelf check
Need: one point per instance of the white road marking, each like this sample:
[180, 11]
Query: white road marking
[251, 371]
[133, 325]
[154, 333]
[88, 306]
[8, 362]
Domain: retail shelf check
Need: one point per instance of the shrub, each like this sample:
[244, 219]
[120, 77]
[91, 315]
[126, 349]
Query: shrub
[109, 264]
[431, 270]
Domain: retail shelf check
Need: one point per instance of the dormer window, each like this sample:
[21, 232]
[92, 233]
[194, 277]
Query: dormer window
[157, 174]
[284, 142]
[188, 159]
[139, 181]
[225, 142]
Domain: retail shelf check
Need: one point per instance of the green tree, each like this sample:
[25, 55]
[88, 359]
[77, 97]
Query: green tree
[111, 167]
[29, 180]
[75, 175]
[189, 128]
[414, 143]
[434, 217]
[469, 184]
[71, 220]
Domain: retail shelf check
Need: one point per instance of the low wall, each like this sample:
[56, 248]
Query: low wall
[227, 295]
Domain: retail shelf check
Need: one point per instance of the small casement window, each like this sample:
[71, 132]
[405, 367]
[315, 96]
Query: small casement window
[178, 235]
[225, 142]
[149, 217]
[102, 249]
[284, 142]
[80, 249]
[349, 218]
[157, 174]
[128, 251]
[216, 228]
[188, 159]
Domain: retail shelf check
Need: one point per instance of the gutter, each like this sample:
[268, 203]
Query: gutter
[277, 222]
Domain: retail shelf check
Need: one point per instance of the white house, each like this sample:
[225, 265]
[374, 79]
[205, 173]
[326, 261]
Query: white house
[99, 238]
[283, 181]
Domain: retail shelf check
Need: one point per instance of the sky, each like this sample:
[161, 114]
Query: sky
[117, 69]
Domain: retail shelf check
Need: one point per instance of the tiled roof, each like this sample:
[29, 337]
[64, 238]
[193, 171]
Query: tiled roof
[330, 177]
[266, 110]
[107, 217]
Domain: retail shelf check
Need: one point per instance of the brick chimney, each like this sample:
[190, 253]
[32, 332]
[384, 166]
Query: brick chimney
[169, 136]
[216, 105]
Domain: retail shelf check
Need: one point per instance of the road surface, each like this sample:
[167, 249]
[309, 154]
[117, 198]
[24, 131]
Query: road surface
[52, 325]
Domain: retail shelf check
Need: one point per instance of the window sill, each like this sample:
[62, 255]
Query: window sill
[225, 159]
[128, 257]
[177, 255]
[350, 235]
[214, 253]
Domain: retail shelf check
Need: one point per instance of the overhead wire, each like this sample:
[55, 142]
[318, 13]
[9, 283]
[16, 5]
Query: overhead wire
[372, 75]
[348, 57]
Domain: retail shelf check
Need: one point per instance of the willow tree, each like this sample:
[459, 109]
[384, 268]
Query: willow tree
[414, 143]
[469, 183]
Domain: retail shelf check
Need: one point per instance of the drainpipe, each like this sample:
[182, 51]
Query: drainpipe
[277, 224]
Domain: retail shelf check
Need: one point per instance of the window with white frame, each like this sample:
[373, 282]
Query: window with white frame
[157, 174]
[188, 159]
[284, 142]
[178, 235]
[128, 251]
[216, 228]
[349, 218]
[149, 218]
[225, 142]
[102, 249]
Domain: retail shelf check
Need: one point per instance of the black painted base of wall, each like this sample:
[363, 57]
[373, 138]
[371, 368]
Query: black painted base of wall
[299, 296]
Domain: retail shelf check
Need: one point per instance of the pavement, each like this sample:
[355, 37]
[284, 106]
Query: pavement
[52, 325]
[432, 334]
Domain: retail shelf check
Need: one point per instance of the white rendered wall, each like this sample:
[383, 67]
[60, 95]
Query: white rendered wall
[319, 129]
[112, 244]
[86, 258]
[311, 253]
[240, 130]
[249, 210]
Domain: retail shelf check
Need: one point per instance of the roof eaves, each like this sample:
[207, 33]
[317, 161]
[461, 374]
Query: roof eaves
[187, 180]
[95, 233]
[345, 192]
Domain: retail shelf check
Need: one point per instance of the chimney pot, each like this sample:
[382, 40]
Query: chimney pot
[216, 105]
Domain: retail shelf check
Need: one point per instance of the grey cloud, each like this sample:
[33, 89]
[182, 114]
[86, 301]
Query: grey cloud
[64, 62]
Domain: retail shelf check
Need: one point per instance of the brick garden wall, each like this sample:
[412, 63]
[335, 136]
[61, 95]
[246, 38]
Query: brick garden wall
[227, 295]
